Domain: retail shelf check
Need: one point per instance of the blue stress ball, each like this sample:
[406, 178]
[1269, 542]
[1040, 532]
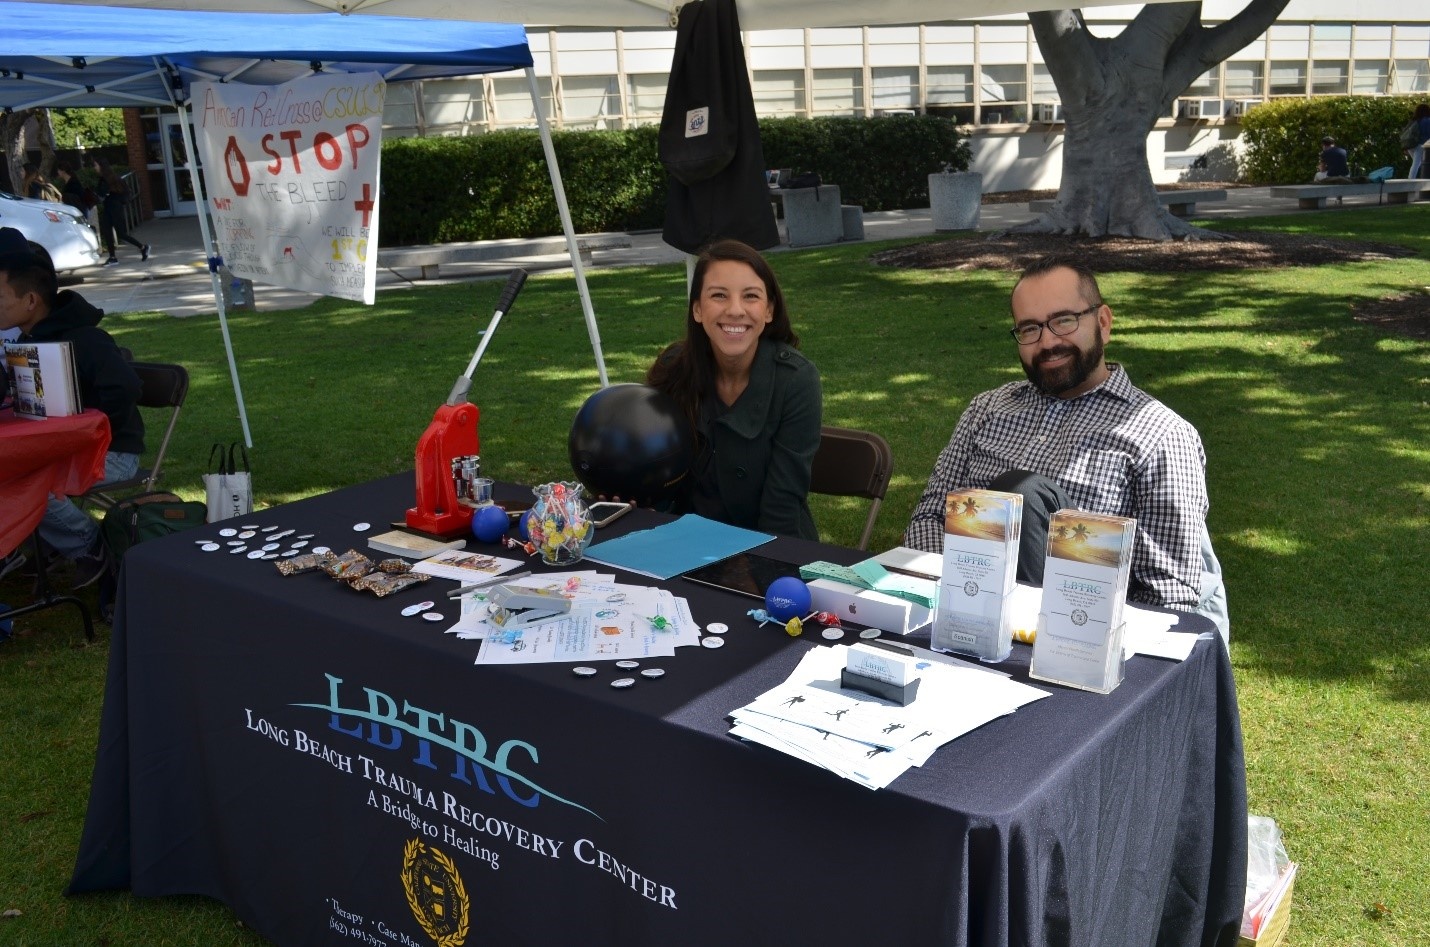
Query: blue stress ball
[522, 526]
[489, 523]
[786, 598]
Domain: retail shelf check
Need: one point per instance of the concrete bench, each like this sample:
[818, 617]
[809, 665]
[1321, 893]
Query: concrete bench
[1178, 203]
[430, 257]
[1395, 191]
[813, 215]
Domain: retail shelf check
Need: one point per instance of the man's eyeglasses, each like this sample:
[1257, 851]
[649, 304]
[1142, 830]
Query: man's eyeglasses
[1062, 323]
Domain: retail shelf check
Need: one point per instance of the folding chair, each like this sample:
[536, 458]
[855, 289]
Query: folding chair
[165, 385]
[852, 463]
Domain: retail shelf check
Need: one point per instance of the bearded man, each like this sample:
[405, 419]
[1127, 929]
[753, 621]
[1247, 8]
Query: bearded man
[1078, 435]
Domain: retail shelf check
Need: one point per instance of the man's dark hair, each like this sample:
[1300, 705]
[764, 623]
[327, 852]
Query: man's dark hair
[1086, 278]
[31, 273]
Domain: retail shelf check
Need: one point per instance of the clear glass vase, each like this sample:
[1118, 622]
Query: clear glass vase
[560, 523]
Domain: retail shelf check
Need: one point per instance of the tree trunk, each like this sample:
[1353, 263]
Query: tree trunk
[1113, 90]
[1106, 188]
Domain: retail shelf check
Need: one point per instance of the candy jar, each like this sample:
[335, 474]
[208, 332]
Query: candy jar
[559, 524]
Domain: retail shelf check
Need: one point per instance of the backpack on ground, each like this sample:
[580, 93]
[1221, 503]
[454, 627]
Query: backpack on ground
[148, 516]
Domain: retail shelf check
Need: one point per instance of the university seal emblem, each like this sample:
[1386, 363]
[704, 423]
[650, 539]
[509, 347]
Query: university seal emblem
[435, 894]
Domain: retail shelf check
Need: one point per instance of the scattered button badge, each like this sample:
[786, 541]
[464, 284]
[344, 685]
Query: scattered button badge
[712, 642]
[417, 609]
[717, 627]
[621, 683]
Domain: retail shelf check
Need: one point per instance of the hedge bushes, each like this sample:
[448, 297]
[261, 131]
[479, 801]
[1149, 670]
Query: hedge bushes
[489, 187]
[1283, 137]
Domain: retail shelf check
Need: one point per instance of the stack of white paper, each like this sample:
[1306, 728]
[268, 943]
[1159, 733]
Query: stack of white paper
[864, 738]
[608, 621]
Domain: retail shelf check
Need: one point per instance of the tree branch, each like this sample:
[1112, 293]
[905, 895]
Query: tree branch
[1068, 49]
[1204, 47]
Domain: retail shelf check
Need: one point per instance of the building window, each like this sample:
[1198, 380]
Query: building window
[1370, 77]
[590, 102]
[950, 93]
[894, 90]
[453, 106]
[512, 100]
[779, 92]
[1044, 89]
[1412, 75]
[1243, 80]
[1288, 78]
[1206, 86]
[1002, 95]
[399, 110]
[645, 98]
[838, 92]
[1329, 78]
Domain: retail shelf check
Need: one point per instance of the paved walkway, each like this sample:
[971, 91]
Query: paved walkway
[176, 280]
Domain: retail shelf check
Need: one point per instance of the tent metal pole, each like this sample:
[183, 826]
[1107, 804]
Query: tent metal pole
[210, 253]
[567, 228]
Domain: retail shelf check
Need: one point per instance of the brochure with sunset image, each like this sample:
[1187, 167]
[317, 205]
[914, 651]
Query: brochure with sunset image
[1085, 577]
[981, 532]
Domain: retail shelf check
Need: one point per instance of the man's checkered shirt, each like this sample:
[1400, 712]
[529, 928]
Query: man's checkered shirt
[1115, 450]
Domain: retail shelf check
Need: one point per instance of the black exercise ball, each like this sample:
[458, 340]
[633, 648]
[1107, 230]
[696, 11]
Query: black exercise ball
[632, 442]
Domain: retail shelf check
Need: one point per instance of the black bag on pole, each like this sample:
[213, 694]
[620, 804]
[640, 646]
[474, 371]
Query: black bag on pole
[710, 137]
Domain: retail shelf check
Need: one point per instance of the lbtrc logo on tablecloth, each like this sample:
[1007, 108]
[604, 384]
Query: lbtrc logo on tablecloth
[435, 893]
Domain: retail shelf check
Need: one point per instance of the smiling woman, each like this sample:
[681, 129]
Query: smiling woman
[752, 399]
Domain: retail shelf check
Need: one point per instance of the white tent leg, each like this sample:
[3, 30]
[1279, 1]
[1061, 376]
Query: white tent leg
[209, 254]
[567, 228]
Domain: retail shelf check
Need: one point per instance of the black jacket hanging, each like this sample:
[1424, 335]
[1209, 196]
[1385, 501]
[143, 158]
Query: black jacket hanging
[710, 137]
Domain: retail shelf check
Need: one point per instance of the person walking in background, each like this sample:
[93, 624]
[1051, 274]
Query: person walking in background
[113, 225]
[73, 191]
[1415, 138]
[1333, 168]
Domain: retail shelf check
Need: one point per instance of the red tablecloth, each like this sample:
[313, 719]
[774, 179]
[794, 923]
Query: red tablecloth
[37, 458]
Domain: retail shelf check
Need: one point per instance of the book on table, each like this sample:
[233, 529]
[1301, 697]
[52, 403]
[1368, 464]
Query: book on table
[45, 382]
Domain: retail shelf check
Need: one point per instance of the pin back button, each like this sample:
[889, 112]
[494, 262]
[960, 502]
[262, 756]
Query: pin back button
[712, 642]
[653, 673]
[433, 616]
[228, 531]
[621, 683]
[417, 609]
[717, 627]
[833, 634]
[868, 633]
[583, 671]
[210, 547]
[627, 665]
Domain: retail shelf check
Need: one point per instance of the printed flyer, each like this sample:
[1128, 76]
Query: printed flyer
[982, 529]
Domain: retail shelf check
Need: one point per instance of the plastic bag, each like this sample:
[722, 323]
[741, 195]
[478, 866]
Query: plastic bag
[1266, 861]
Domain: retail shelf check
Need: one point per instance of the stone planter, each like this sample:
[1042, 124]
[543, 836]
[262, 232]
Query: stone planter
[955, 199]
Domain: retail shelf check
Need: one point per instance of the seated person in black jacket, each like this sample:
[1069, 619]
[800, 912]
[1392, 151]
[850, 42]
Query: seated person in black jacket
[30, 300]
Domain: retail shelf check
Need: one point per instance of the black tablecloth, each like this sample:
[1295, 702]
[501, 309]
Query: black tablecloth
[305, 754]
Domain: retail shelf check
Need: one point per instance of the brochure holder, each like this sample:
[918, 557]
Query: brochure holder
[982, 530]
[1080, 625]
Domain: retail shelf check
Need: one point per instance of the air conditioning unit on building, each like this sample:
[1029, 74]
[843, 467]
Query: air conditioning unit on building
[1239, 107]
[1201, 109]
[1047, 112]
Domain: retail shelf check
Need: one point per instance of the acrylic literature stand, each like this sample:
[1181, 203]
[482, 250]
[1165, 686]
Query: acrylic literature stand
[981, 533]
[1080, 626]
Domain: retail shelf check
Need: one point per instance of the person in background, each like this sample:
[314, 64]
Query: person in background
[1332, 168]
[753, 400]
[72, 189]
[30, 300]
[113, 225]
[1418, 151]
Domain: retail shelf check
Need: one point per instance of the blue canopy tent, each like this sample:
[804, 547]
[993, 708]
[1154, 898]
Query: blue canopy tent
[99, 56]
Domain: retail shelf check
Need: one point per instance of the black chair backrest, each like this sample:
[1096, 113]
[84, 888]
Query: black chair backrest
[851, 463]
[165, 384]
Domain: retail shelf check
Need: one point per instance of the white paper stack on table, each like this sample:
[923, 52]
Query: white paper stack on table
[608, 621]
[866, 739]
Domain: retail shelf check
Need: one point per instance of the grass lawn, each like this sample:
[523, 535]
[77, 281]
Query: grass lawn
[1317, 431]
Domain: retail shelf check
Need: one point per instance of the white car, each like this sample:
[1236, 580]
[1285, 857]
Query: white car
[59, 228]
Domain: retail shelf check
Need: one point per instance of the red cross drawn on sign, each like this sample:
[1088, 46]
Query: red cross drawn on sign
[365, 205]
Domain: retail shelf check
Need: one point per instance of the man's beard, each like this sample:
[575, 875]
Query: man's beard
[1055, 381]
